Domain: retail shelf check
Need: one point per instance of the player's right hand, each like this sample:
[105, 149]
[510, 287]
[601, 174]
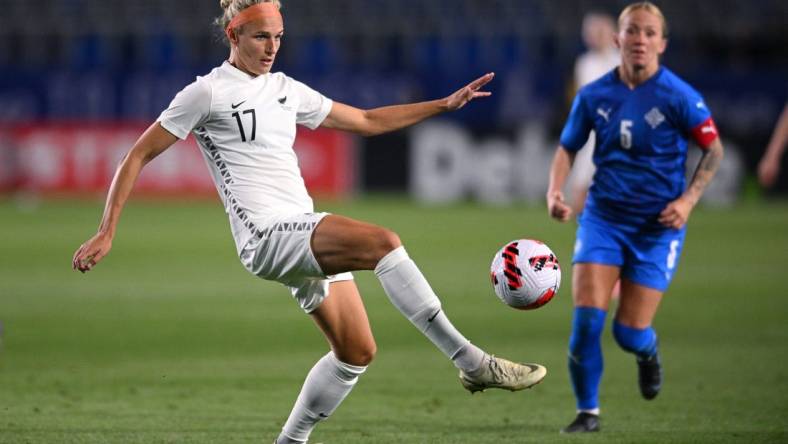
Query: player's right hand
[91, 252]
[556, 207]
[768, 169]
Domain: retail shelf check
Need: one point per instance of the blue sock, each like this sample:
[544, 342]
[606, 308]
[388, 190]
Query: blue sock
[642, 342]
[585, 355]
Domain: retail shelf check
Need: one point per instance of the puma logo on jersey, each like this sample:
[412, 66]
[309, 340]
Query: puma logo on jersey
[700, 105]
[233, 106]
[708, 129]
[604, 114]
[282, 100]
[654, 117]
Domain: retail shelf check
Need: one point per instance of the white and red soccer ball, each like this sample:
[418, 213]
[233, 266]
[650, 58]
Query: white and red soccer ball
[525, 274]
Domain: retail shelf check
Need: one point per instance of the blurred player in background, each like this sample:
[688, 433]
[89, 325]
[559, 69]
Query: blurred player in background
[599, 32]
[633, 225]
[244, 118]
[769, 166]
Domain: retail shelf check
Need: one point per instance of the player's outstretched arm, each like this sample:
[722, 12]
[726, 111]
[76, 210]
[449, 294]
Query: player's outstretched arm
[152, 143]
[390, 118]
[559, 171]
[769, 166]
[676, 213]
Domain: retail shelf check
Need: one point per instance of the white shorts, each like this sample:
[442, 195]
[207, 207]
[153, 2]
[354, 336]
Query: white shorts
[284, 254]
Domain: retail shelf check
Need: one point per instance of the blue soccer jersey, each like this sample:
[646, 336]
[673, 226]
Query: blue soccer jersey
[641, 142]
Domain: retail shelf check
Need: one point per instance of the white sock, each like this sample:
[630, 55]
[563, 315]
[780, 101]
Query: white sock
[326, 385]
[409, 291]
[470, 359]
[591, 411]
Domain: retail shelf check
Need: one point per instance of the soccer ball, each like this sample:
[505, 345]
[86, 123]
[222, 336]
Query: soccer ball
[525, 274]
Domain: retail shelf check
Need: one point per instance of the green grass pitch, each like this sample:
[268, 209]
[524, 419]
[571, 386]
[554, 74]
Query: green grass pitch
[169, 340]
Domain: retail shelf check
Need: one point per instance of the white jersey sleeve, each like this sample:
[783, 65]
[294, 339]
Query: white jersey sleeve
[313, 106]
[189, 109]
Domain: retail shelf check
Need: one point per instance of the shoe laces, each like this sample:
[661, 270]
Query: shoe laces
[499, 372]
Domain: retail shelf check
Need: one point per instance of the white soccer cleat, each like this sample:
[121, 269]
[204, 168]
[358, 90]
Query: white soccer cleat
[504, 374]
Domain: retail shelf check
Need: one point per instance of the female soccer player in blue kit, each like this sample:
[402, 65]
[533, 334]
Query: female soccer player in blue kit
[633, 225]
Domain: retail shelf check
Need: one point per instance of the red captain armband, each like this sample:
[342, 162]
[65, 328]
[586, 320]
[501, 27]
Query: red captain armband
[705, 133]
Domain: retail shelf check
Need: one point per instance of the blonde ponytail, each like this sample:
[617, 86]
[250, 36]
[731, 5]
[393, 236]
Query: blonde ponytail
[231, 8]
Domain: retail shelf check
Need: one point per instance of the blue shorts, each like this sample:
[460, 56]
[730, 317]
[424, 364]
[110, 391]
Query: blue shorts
[648, 258]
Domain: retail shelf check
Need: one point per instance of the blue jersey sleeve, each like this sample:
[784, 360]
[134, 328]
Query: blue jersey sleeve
[695, 117]
[692, 109]
[578, 126]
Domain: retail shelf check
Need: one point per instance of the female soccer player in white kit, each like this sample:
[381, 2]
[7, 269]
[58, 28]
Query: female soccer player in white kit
[244, 119]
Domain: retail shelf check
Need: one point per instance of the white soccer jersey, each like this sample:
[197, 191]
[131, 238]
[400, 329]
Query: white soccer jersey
[589, 67]
[245, 127]
[594, 64]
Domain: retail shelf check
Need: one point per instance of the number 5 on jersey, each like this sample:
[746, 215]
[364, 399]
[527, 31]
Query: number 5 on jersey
[241, 126]
[626, 134]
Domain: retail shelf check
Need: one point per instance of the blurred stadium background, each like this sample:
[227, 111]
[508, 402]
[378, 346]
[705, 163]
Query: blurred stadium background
[170, 340]
[78, 77]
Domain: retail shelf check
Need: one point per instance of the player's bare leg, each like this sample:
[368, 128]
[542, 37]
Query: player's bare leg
[343, 320]
[633, 332]
[592, 285]
[343, 244]
[638, 304]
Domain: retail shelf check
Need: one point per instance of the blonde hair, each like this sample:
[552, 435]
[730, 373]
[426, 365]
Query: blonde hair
[231, 8]
[648, 7]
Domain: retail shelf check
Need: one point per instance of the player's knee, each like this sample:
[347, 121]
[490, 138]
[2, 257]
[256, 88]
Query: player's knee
[366, 355]
[386, 241]
[389, 240]
[360, 354]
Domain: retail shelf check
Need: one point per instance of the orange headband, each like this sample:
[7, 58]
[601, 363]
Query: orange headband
[254, 12]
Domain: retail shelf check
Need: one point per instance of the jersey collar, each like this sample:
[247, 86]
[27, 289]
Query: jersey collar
[238, 74]
[653, 78]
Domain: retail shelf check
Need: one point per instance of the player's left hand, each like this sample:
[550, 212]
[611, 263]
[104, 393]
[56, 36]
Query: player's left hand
[675, 215]
[469, 92]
